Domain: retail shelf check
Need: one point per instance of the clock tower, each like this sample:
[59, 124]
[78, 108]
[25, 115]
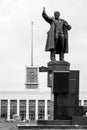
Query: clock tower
[31, 77]
[31, 71]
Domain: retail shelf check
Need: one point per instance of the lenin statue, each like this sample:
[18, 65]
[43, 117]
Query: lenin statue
[57, 39]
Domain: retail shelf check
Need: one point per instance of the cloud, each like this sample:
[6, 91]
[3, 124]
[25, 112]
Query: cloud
[6, 6]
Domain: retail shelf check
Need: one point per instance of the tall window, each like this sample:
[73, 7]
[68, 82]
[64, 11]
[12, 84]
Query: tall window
[80, 102]
[4, 104]
[48, 108]
[41, 109]
[85, 102]
[22, 109]
[13, 108]
[32, 107]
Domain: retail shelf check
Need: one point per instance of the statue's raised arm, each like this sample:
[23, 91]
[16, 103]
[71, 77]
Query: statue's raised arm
[46, 17]
[57, 39]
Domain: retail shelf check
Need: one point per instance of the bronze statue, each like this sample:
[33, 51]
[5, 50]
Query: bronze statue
[57, 39]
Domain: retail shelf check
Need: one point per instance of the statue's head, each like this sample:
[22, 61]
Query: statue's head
[56, 14]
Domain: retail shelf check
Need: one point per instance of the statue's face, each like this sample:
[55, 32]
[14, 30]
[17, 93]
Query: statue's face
[56, 15]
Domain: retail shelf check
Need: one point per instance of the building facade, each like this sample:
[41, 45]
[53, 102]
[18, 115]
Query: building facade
[27, 105]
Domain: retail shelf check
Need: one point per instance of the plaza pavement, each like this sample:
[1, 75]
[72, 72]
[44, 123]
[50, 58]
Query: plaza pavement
[12, 126]
[8, 126]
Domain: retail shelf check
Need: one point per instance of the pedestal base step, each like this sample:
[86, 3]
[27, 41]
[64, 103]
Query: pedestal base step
[77, 122]
[54, 122]
[52, 127]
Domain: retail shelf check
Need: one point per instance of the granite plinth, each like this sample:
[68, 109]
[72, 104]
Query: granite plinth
[64, 84]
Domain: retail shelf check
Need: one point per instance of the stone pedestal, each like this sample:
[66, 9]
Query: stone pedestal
[64, 85]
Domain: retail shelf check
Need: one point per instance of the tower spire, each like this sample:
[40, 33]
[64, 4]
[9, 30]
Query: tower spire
[32, 43]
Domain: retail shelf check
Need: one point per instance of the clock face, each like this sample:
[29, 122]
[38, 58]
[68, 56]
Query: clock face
[32, 75]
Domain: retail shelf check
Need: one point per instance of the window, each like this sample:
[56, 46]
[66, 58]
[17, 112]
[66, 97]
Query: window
[80, 102]
[41, 109]
[22, 109]
[32, 107]
[85, 102]
[48, 108]
[13, 108]
[4, 104]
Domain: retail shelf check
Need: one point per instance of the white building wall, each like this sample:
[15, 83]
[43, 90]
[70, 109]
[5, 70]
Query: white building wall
[25, 95]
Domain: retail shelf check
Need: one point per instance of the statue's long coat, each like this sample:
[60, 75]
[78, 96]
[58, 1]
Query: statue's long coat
[50, 44]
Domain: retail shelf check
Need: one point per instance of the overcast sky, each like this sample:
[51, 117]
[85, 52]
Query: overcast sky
[15, 38]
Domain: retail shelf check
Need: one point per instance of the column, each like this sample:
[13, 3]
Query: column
[0, 109]
[52, 105]
[8, 110]
[18, 107]
[46, 115]
[27, 109]
[82, 102]
[36, 117]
